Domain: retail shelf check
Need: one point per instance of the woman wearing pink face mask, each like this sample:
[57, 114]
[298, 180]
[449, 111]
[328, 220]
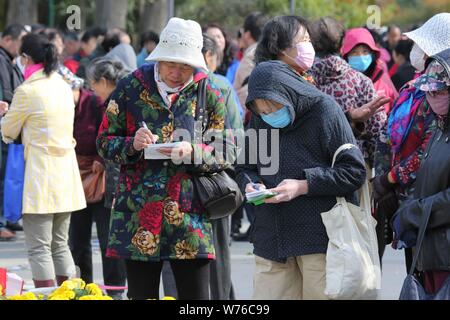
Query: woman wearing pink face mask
[289, 42]
[432, 187]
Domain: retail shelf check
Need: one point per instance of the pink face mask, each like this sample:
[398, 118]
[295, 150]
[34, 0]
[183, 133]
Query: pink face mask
[305, 55]
[439, 103]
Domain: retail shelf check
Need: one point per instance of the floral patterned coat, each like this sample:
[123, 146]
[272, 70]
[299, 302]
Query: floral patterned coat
[157, 215]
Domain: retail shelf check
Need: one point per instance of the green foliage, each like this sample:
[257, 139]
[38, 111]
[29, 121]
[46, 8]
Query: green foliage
[231, 13]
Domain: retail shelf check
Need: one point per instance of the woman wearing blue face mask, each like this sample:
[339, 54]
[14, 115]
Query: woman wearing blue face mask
[289, 238]
[360, 51]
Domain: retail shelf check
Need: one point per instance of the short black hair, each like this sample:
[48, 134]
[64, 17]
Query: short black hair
[209, 45]
[277, 36]
[149, 36]
[254, 23]
[71, 35]
[112, 39]
[14, 31]
[404, 48]
[51, 33]
[392, 27]
[93, 33]
[37, 27]
[327, 35]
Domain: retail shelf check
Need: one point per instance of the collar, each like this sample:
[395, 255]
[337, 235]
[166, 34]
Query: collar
[7, 53]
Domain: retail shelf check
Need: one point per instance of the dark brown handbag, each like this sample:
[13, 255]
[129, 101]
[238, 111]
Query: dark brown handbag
[218, 192]
[94, 184]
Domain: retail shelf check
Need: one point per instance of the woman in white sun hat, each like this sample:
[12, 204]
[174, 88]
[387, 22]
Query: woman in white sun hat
[157, 215]
[408, 131]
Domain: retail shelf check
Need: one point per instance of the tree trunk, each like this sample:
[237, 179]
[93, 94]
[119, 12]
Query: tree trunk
[112, 13]
[22, 11]
[154, 16]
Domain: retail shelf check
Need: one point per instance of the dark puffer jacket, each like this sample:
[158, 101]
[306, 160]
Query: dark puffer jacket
[432, 184]
[306, 149]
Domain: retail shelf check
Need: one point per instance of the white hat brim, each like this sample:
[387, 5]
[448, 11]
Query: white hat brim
[162, 54]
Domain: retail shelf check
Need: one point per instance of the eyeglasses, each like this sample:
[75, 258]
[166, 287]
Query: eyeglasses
[24, 55]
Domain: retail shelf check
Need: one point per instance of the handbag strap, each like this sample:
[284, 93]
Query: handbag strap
[344, 147]
[200, 110]
[422, 230]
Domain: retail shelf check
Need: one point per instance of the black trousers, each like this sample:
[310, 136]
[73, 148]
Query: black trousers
[80, 234]
[191, 278]
[221, 285]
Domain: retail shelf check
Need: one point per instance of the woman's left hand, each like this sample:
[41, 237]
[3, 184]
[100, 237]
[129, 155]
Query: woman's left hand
[183, 151]
[288, 190]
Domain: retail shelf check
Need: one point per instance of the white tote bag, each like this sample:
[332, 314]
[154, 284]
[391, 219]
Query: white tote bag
[352, 262]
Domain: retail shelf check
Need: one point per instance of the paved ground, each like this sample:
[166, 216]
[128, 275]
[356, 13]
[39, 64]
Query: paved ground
[13, 257]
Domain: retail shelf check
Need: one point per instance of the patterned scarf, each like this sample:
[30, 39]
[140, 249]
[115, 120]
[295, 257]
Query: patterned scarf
[169, 94]
[402, 117]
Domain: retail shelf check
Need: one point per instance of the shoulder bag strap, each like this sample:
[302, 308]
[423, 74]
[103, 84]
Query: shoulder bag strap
[423, 228]
[340, 149]
[200, 111]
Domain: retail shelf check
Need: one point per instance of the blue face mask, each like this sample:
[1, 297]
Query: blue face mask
[360, 63]
[279, 119]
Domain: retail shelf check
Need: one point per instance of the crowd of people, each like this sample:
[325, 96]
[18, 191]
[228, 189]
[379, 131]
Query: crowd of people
[85, 107]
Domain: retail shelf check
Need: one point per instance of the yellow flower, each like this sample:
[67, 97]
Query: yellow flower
[146, 242]
[25, 297]
[172, 213]
[167, 133]
[216, 122]
[73, 284]
[94, 290]
[193, 108]
[147, 99]
[63, 293]
[96, 298]
[185, 251]
[113, 108]
[59, 298]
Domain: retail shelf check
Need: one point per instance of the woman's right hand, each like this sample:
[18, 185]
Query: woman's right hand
[251, 187]
[143, 139]
[368, 110]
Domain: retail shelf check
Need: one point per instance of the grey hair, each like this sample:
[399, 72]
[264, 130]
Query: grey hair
[111, 70]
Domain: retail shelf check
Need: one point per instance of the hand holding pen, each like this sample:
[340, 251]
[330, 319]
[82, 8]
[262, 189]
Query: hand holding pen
[252, 187]
[144, 138]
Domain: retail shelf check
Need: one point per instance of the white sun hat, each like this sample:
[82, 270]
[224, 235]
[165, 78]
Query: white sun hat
[434, 36]
[181, 41]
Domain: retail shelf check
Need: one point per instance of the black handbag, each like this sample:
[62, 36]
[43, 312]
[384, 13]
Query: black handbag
[219, 194]
[412, 288]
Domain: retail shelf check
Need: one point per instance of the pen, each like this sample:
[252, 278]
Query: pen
[144, 125]
[254, 185]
